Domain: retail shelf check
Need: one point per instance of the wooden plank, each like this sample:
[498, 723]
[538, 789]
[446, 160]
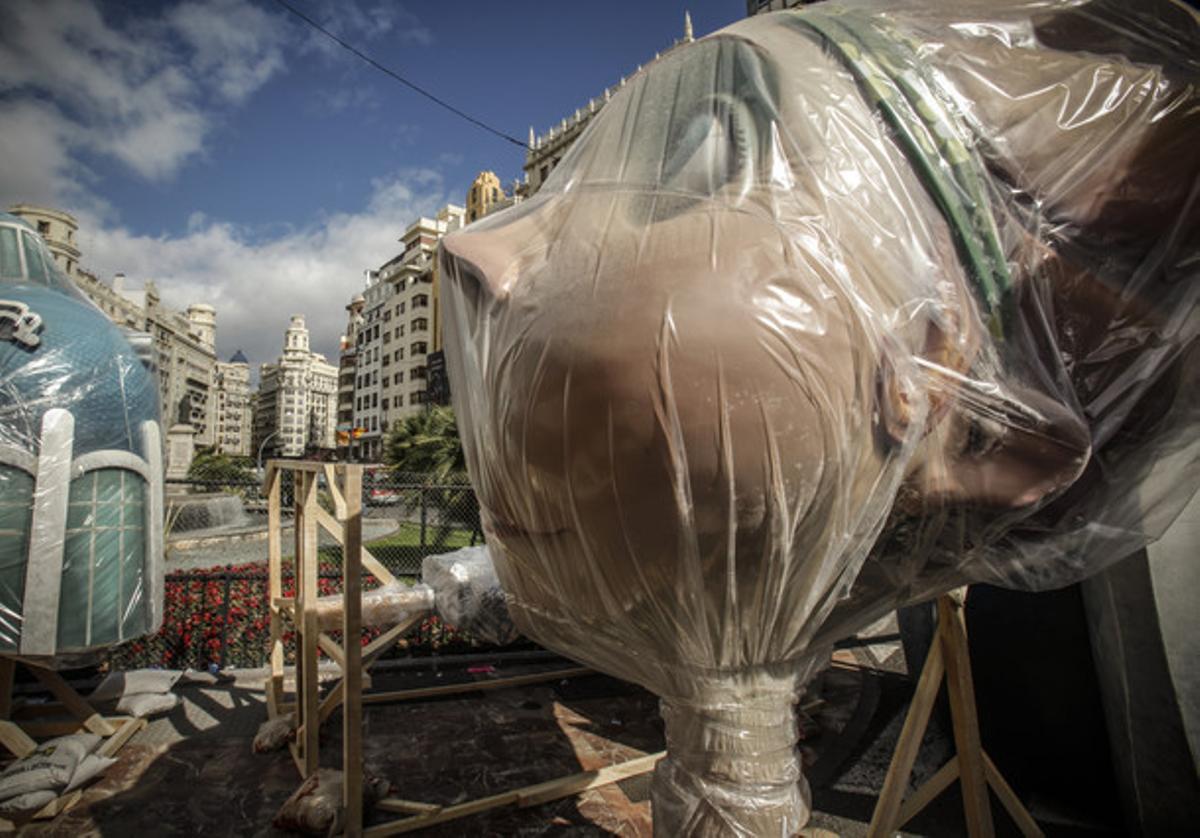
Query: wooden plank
[80, 709]
[335, 492]
[330, 647]
[126, 728]
[386, 640]
[332, 700]
[525, 796]
[476, 686]
[352, 680]
[306, 467]
[334, 527]
[930, 789]
[1011, 802]
[58, 805]
[308, 689]
[953, 634]
[275, 590]
[406, 807]
[8, 667]
[884, 820]
[15, 740]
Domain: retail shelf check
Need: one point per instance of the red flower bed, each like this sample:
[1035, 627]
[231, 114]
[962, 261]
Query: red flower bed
[221, 617]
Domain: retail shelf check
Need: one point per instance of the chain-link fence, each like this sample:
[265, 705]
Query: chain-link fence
[216, 609]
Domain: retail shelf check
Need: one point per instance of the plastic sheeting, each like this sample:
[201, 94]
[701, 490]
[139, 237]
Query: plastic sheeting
[468, 595]
[824, 314]
[80, 467]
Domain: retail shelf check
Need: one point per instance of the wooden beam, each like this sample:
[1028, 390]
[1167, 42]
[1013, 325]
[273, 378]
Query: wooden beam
[330, 647]
[8, 667]
[334, 527]
[307, 683]
[406, 807]
[476, 686]
[71, 700]
[335, 492]
[930, 789]
[275, 590]
[953, 634]
[16, 740]
[1011, 802]
[352, 680]
[126, 728]
[885, 819]
[533, 795]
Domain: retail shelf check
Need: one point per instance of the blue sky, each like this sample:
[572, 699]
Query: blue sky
[231, 154]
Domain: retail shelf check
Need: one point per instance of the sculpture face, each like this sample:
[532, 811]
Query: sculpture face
[748, 319]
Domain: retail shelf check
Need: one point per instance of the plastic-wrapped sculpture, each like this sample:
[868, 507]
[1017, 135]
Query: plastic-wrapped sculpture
[827, 313]
[80, 467]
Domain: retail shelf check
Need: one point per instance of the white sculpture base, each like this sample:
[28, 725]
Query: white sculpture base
[181, 448]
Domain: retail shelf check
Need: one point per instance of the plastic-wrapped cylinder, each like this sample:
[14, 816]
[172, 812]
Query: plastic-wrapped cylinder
[826, 313]
[467, 593]
[80, 467]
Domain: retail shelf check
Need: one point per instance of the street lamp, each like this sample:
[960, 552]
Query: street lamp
[263, 445]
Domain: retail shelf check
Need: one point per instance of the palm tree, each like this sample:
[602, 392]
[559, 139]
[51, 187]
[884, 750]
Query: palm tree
[427, 443]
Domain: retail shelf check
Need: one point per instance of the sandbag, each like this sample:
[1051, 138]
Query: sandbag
[49, 768]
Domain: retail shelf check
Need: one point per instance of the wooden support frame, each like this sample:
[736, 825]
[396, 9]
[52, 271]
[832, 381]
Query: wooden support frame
[949, 658]
[18, 735]
[353, 659]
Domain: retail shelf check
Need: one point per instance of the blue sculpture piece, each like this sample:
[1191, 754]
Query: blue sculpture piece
[80, 466]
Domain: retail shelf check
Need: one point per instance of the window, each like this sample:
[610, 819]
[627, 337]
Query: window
[416, 397]
[383, 425]
[421, 301]
[387, 337]
[384, 404]
[418, 348]
[399, 401]
[43, 228]
[374, 400]
[374, 377]
[420, 324]
[400, 354]
[386, 360]
[375, 332]
[387, 315]
[400, 331]
[399, 377]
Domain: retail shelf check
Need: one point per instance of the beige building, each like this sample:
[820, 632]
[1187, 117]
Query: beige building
[545, 151]
[233, 406]
[58, 228]
[296, 406]
[396, 333]
[180, 346]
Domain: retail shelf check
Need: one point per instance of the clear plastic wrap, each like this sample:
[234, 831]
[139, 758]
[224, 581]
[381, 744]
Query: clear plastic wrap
[80, 467]
[827, 313]
[468, 595]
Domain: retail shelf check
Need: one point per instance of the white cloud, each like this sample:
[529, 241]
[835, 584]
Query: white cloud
[237, 45]
[145, 90]
[74, 83]
[257, 286]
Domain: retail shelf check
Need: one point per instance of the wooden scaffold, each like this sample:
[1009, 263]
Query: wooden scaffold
[312, 618]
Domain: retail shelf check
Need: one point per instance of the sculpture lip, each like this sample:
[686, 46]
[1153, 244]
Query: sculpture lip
[503, 529]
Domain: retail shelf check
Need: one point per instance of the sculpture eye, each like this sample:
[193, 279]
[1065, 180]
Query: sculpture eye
[712, 147]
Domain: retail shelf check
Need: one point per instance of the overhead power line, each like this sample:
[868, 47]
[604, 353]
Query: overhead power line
[388, 71]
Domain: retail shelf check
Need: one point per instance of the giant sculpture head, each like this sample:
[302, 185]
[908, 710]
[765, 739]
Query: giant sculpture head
[780, 345]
